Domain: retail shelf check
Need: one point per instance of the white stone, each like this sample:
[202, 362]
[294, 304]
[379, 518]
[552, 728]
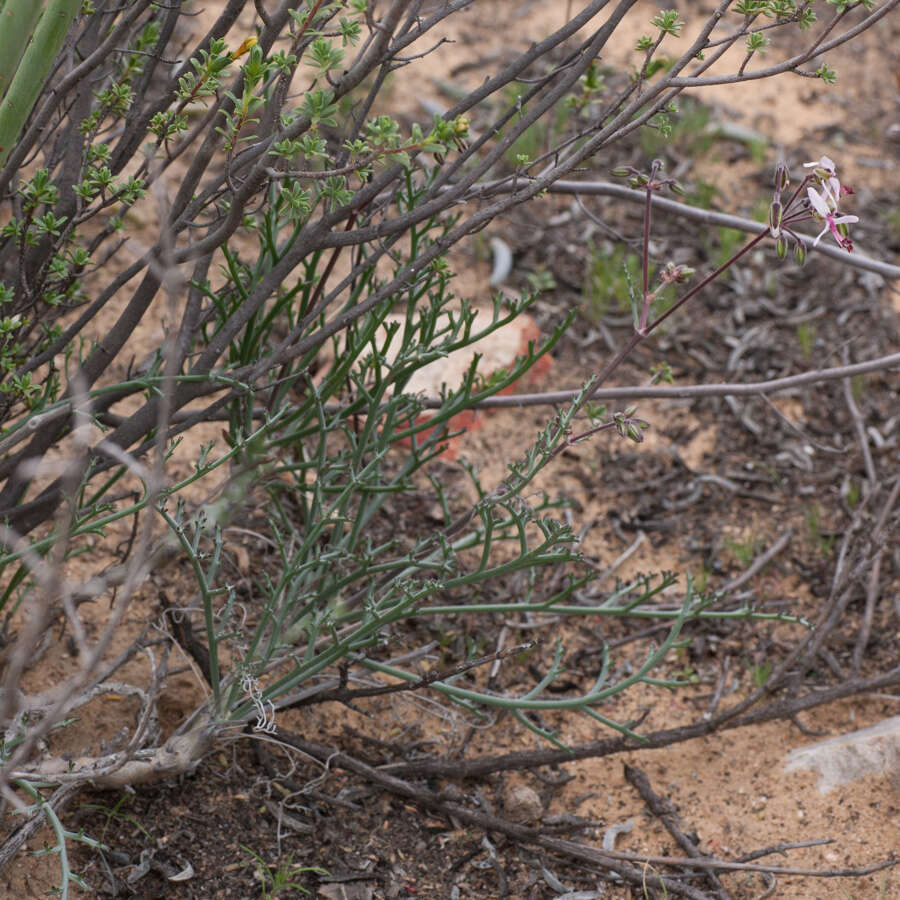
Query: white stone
[843, 759]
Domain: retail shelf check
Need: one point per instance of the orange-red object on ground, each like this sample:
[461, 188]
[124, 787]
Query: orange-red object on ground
[499, 351]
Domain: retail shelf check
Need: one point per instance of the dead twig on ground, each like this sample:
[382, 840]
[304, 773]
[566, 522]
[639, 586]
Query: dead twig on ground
[738, 717]
[617, 862]
[873, 581]
[664, 810]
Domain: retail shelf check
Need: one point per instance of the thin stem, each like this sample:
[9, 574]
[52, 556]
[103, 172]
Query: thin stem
[640, 334]
[711, 277]
[645, 299]
[614, 364]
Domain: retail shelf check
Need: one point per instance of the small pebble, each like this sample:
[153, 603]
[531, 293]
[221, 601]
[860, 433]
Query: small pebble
[521, 804]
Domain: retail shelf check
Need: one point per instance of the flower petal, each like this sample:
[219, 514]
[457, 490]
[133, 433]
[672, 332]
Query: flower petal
[821, 163]
[818, 202]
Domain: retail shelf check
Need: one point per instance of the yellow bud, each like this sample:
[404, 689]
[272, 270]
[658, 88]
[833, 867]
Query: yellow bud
[245, 46]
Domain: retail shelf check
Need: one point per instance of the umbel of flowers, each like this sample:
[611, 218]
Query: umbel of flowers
[820, 202]
[825, 202]
[816, 197]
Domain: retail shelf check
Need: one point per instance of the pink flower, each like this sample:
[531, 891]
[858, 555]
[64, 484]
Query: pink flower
[832, 188]
[825, 173]
[825, 208]
[824, 163]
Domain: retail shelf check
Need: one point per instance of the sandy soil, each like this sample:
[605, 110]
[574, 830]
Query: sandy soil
[730, 788]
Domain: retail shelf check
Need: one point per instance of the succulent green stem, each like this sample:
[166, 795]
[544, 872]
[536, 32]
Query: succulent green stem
[36, 62]
[17, 21]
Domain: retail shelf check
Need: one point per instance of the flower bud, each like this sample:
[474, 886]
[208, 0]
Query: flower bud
[247, 45]
[782, 178]
[800, 254]
[781, 246]
[776, 214]
[621, 172]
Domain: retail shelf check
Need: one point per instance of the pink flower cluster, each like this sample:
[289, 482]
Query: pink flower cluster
[824, 202]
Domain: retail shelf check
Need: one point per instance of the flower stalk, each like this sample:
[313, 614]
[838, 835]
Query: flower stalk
[819, 204]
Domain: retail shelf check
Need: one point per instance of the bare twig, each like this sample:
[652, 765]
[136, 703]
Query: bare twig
[736, 717]
[614, 860]
[689, 392]
[665, 812]
[873, 582]
[859, 426]
[14, 842]
[760, 562]
[856, 259]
